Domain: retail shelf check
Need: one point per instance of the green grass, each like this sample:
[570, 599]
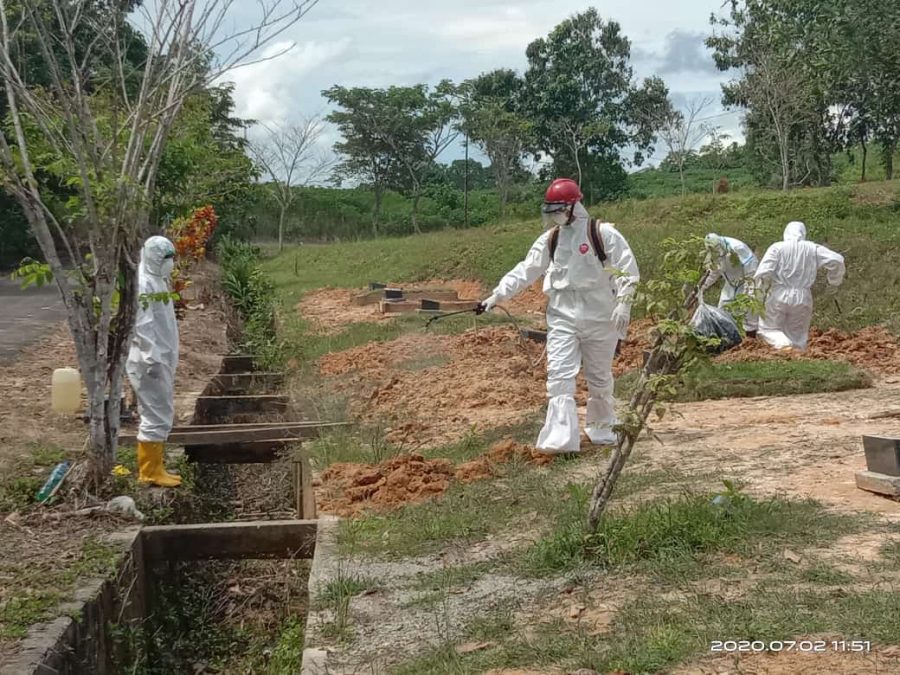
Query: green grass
[673, 538]
[367, 444]
[761, 378]
[20, 484]
[653, 632]
[890, 552]
[826, 575]
[26, 606]
[862, 222]
[466, 512]
[344, 586]
[470, 512]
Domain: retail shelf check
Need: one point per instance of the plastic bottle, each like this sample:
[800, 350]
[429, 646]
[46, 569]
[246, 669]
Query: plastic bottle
[65, 391]
[55, 477]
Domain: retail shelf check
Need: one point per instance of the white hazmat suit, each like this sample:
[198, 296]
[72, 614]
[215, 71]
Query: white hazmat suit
[587, 314]
[788, 270]
[153, 358]
[734, 261]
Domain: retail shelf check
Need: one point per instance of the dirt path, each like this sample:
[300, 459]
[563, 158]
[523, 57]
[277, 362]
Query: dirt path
[26, 316]
[807, 445]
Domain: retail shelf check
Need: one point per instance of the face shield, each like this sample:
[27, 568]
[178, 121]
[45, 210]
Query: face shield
[168, 265]
[556, 214]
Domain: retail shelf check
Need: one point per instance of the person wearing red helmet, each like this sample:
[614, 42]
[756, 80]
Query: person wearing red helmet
[590, 274]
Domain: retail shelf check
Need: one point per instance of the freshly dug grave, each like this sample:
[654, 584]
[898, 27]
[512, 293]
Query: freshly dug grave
[435, 389]
[348, 489]
[873, 349]
[330, 310]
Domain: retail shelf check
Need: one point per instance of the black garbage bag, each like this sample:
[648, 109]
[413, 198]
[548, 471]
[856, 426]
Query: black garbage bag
[712, 322]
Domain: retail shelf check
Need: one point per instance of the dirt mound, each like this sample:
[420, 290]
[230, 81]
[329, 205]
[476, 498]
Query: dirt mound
[503, 452]
[873, 349]
[492, 379]
[347, 489]
[434, 389]
[375, 359]
[330, 310]
[467, 289]
[530, 301]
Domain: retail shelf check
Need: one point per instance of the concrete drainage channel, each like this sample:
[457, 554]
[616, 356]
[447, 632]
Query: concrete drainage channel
[84, 637]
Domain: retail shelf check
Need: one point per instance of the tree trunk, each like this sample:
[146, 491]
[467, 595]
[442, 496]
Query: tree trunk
[660, 362]
[681, 173]
[501, 178]
[376, 209]
[466, 186]
[865, 159]
[889, 150]
[415, 212]
[785, 165]
[578, 166]
[281, 215]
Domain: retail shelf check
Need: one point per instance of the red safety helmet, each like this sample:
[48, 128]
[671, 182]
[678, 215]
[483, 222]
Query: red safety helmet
[563, 191]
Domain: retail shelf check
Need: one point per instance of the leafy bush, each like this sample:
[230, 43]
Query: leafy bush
[253, 295]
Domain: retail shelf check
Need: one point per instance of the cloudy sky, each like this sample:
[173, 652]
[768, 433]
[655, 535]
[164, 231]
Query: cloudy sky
[378, 43]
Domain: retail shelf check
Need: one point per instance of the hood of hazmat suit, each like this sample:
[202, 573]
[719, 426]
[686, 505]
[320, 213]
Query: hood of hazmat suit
[587, 299]
[153, 356]
[795, 231]
[732, 259]
[789, 270]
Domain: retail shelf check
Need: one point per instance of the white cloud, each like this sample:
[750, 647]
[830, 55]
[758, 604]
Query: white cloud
[489, 31]
[363, 43]
[269, 91]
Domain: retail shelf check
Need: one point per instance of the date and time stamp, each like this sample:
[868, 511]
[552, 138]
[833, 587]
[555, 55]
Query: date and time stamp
[797, 646]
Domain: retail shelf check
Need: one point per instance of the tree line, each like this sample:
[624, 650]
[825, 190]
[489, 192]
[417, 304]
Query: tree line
[814, 78]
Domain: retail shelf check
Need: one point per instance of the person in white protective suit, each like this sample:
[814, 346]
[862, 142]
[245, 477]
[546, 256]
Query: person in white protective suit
[788, 271]
[152, 360]
[734, 261]
[589, 277]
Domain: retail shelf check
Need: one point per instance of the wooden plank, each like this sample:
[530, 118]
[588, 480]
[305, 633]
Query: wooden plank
[878, 483]
[304, 493]
[189, 437]
[252, 425]
[258, 452]
[404, 307]
[242, 363]
[230, 541]
[241, 383]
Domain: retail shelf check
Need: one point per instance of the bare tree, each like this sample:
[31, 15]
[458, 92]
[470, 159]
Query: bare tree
[99, 127]
[575, 137]
[682, 133]
[782, 92]
[290, 157]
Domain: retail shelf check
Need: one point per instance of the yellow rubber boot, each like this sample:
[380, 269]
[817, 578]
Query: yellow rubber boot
[150, 466]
